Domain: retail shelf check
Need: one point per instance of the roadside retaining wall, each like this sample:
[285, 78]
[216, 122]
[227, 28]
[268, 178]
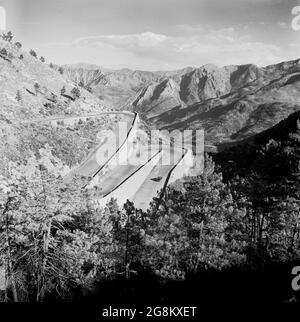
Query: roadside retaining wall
[128, 188]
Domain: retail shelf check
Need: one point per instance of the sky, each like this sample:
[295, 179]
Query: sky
[156, 34]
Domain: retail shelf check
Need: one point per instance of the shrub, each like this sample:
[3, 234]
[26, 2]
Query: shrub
[21, 56]
[42, 59]
[3, 52]
[8, 37]
[18, 96]
[63, 91]
[18, 45]
[33, 53]
[75, 92]
[51, 65]
[60, 70]
[36, 87]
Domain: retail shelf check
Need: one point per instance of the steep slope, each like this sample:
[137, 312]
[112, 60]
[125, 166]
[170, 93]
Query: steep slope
[246, 156]
[230, 103]
[204, 83]
[30, 88]
[117, 87]
[158, 98]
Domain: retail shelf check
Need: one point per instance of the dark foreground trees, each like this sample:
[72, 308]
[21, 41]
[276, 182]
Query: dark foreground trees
[195, 228]
[54, 242]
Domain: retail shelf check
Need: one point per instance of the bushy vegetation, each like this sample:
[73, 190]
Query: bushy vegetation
[54, 241]
[75, 92]
[8, 36]
[37, 87]
[18, 45]
[70, 144]
[33, 53]
[270, 184]
[3, 52]
[18, 96]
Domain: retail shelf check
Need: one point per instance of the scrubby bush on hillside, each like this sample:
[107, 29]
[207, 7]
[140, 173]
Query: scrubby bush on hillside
[42, 59]
[36, 87]
[51, 65]
[8, 37]
[63, 91]
[18, 45]
[21, 56]
[3, 52]
[60, 70]
[33, 53]
[75, 92]
[18, 96]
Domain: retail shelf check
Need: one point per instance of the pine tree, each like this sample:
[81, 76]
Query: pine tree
[63, 91]
[128, 231]
[18, 96]
[36, 87]
[191, 228]
[292, 152]
[46, 249]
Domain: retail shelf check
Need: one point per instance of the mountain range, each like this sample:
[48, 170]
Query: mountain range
[231, 103]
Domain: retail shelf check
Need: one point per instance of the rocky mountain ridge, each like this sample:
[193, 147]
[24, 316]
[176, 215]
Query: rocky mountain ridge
[231, 103]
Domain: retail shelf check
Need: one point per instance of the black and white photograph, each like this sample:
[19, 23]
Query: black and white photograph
[149, 155]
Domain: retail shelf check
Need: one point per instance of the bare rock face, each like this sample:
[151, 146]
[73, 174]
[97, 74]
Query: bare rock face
[204, 83]
[230, 103]
[158, 98]
[245, 74]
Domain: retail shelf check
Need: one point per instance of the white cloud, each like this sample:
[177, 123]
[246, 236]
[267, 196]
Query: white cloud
[146, 39]
[149, 50]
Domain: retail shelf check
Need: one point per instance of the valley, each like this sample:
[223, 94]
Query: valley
[89, 196]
